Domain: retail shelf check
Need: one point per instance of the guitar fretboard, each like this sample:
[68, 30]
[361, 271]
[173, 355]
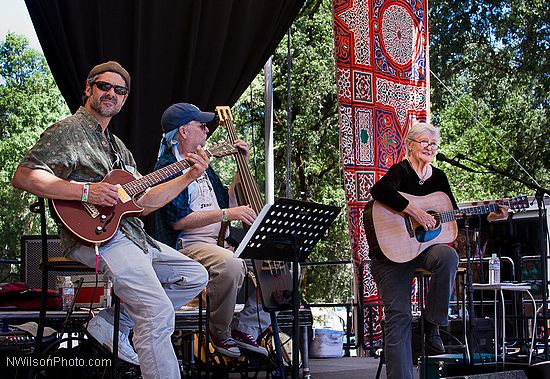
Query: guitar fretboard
[470, 211]
[139, 185]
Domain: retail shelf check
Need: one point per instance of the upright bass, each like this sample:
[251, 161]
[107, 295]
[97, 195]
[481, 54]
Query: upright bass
[274, 277]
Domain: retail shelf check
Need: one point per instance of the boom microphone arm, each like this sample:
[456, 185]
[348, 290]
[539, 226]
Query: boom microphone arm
[442, 157]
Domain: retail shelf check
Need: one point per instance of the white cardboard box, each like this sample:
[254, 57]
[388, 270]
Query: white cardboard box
[326, 343]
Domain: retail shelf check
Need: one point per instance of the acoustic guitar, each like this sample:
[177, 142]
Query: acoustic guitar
[401, 238]
[94, 224]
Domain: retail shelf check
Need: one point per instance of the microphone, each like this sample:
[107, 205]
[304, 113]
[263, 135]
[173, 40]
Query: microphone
[442, 157]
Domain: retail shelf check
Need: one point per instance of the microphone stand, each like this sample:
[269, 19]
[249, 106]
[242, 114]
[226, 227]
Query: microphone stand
[540, 192]
[492, 170]
[469, 337]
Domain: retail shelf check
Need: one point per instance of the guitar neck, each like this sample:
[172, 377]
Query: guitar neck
[456, 214]
[139, 185]
[249, 187]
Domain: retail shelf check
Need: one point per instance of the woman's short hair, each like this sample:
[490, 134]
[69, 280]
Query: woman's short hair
[418, 129]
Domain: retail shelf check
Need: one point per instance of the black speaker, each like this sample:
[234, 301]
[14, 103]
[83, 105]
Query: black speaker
[453, 366]
[31, 258]
[483, 337]
[512, 374]
[452, 335]
[539, 370]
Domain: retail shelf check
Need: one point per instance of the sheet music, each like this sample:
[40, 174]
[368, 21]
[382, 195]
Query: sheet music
[252, 230]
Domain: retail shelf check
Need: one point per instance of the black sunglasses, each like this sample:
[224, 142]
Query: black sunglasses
[104, 86]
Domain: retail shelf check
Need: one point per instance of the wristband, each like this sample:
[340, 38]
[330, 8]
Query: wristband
[224, 215]
[85, 192]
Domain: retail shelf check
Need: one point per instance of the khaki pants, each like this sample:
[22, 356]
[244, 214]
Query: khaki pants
[226, 276]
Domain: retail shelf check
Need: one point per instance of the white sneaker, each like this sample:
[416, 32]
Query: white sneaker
[102, 331]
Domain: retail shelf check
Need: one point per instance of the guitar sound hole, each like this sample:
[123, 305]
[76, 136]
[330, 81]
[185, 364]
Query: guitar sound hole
[436, 217]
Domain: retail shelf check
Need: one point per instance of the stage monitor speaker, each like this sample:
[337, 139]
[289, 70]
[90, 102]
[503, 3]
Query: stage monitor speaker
[513, 374]
[539, 370]
[484, 334]
[31, 258]
[453, 335]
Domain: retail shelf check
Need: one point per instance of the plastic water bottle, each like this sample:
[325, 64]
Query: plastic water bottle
[494, 269]
[67, 293]
[107, 293]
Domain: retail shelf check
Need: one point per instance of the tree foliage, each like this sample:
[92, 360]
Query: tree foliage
[491, 77]
[316, 166]
[29, 102]
[490, 82]
[316, 170]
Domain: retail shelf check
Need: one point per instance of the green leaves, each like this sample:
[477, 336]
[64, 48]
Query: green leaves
[492, 55]
[29, 102]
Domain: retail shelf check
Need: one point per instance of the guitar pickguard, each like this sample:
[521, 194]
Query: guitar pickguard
[426, 235]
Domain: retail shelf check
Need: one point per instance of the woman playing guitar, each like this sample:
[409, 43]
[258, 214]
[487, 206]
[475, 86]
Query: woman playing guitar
[417, 177]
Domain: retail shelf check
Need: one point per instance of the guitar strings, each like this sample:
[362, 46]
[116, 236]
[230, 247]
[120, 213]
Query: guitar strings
[252, 195]
[476, 210]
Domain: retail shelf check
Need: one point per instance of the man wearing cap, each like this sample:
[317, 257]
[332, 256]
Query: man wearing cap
[69, 162]
[192, 222]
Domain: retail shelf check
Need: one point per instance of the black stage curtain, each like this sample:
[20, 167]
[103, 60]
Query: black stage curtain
[201, 51]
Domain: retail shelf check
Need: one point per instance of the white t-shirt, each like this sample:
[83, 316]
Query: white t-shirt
[202, 198]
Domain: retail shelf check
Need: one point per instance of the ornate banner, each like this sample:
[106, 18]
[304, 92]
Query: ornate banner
[383, 86]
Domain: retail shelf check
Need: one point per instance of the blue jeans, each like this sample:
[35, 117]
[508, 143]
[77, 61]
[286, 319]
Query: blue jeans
[394, 282]
[151, 286]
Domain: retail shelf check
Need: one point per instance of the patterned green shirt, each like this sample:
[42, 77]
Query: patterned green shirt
[76, 149]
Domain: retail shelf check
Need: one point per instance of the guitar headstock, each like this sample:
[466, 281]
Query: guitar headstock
[518, 203]
[221, 149]
[224, 114]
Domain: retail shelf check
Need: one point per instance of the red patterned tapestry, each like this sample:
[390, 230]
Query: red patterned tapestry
[381, 49]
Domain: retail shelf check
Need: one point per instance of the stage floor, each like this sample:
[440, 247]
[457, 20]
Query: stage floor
[341, 368]
[347, 368]
[363, 368]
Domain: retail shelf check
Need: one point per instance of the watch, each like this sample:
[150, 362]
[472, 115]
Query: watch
[224, 215]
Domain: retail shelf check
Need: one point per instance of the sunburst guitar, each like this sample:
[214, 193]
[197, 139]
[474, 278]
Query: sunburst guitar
[401, 238]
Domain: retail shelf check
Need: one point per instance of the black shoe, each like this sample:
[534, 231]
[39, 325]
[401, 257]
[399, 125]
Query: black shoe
[434, 345]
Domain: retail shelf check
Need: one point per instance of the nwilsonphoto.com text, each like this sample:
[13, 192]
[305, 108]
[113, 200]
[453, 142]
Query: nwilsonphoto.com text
[57, 362]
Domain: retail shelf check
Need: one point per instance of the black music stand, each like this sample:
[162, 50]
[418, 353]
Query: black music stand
[286, 231]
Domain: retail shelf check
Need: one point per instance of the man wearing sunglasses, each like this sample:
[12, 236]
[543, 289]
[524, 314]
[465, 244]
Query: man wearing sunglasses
[69, 162]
